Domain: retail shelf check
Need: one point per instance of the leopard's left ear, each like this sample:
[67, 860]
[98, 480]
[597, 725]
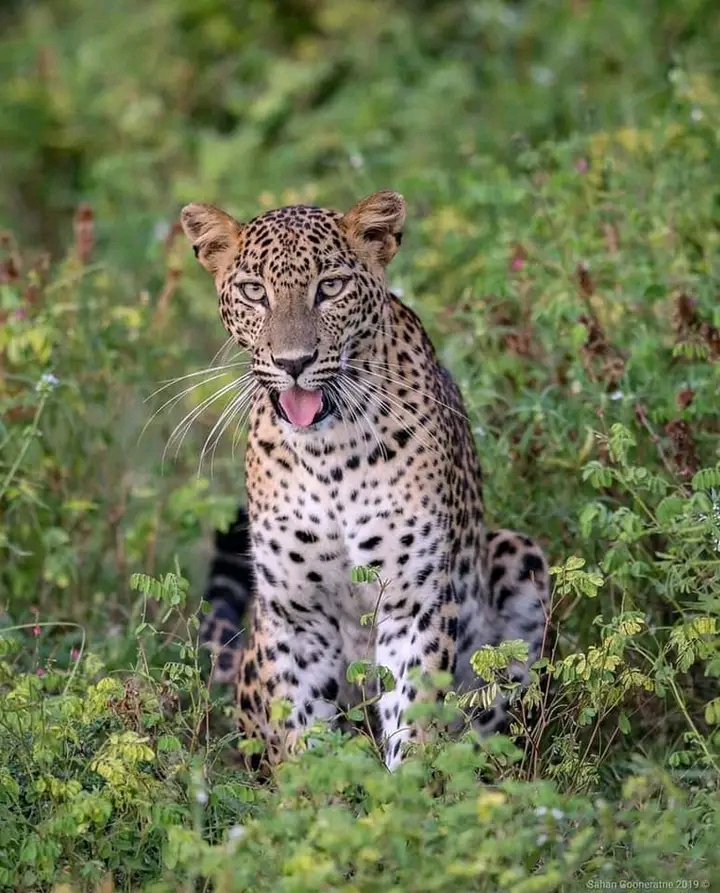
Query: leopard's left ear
[375, 225]
[216, 237]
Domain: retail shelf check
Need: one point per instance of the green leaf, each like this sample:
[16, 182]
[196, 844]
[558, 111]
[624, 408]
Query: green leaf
[670, 508]
[357, 672]
[712, 712]
[364, 574]
[706, 478]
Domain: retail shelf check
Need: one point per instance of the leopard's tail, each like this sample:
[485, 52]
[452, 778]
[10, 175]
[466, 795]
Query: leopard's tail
[229, 591]
[519, 593]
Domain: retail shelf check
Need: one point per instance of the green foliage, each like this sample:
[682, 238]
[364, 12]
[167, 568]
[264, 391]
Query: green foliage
[97, 775]
[561, 165]
[97, 779]
[361, 829]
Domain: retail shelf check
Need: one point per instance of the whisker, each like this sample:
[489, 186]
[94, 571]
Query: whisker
[234, 407]
[397, 414]
[214, 370]
[178, 397]
[188, 420]
[354, 391]
[363, 397]
[225, 348]
[407, 386]
[242, 418]
[401, 382]
[343, 397]
[340, 403]
[225, 418]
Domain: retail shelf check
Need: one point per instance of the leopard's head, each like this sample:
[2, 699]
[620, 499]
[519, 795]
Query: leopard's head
[303, 290]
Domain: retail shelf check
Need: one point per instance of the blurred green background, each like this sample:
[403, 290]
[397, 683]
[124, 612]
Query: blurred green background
[561, 163]
[530, 139]
[139, 107]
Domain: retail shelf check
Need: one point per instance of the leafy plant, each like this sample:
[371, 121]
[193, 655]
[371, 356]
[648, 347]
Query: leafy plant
[561, 164]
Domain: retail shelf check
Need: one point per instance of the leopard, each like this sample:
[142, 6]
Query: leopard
[359, 454]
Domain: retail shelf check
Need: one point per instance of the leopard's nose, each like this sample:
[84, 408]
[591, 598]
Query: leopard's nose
[295, 366]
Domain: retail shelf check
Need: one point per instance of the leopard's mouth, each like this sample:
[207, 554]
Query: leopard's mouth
[302, 408]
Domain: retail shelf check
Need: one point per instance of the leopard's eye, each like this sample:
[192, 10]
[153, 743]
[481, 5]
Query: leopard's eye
[330, 288]
[253, 291]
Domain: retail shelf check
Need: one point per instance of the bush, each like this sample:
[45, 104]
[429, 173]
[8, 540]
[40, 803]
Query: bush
[562, 250]
[97, 779]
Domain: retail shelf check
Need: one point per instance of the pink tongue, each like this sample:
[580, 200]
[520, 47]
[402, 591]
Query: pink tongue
[301, 406]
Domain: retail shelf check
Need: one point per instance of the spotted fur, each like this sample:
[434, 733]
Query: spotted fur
[386, 474]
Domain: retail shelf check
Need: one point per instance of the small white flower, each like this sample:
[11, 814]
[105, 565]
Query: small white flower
[236, 832]
[557, 814]
[543, 76]
[201, 797]
[542, 838]
[47, 382]
[541, 811]
[356, 160]
[715, 499]
[617, 395]
[697, 114]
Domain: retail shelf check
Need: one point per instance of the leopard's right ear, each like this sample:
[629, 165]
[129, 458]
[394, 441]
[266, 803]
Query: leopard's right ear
[216, 237]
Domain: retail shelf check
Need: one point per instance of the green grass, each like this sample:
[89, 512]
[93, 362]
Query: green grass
[561, 163]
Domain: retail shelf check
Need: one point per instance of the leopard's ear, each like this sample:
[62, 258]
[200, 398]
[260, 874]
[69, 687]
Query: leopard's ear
[375, 225]
[215, 236]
